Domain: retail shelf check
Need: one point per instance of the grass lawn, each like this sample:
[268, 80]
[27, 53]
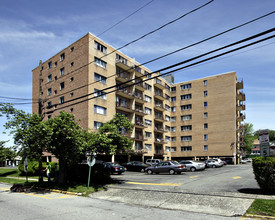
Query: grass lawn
[12, 176]
[262, 207]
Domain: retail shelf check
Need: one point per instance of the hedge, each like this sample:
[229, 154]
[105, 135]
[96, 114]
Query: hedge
[264, 171]
[33, 167]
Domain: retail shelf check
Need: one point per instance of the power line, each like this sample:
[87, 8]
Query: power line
[175, 70]
[176, 51]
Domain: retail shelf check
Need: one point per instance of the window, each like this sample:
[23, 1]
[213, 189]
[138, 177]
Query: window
[72, 49]
[205, 126]
[186, 117]
[204, 93]
[205, 147]
[173, 99]
[71, 79]
[72, 64]
[168, 97]
[148, 134]
[167, 87]
[205, 115]
[49, 104]
[148, 122]
[62, 86]
[167, 107]
[55, 92]
[173, 109]
[62, 56]
[148, 146]
[49, 78]
[149, 75]
[49, 91]
[186, 138]
[121, 59]
[55, 64]
[100, 94]
[186, 107]
[186, 128]
[173, 129]
[206, 137]
[148, 87]
[173, 89]
[167, 128]
[71, 94]
[167, 118]
[55, 78]
[71, 109]
[185, 86]
[97, 124]
[100, 47]
[185, 97]
[61, 100]
[100, 110]
[173, 139]
[173, 118]
[205, 82]
[205, 104]
[62, 71]
[148, 98]
[100, 78]
[187, 148]
[50, 64]
[100, 63]
[148, 111]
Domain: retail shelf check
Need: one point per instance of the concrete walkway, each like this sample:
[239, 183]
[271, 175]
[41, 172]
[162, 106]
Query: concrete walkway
[222, 204]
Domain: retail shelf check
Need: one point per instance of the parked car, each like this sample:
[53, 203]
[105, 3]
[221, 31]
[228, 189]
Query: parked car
[213, 163]
[193, 165]
[114, 167]
[135, 166]
[170, 167]
[152, 162]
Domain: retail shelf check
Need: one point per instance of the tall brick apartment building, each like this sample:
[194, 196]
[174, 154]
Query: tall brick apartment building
[196, 120]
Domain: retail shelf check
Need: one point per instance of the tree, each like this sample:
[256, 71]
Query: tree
[248, 137]
[66, 142]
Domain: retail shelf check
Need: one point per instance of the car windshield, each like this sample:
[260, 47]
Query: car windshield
[175, 162]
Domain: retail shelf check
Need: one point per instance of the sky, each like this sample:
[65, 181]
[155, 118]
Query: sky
[34, 30]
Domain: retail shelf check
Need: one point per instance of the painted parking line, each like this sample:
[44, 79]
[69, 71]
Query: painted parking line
[49, 196]
[192, 177]
[236, 177]
[4, 189]
[155, 184]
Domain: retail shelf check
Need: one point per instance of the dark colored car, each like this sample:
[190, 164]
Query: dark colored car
[135, 166]
[170, 167]
[114, 167]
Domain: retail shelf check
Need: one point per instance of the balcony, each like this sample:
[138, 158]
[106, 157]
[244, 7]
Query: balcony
[124, 107]
[126, 93]
[160, 141]
[140, 150]
[240, 107]
[125, 65]
[241, 96]
[159, 118]
[140, 112]
[241, 117]
[139, 98]
[159, 95]
[160, 129]
[123, 77]
[139, 137]
[239, 85]
[138, 72]
[159, 107]
[140, 86]
[140, 124]
[158, 84]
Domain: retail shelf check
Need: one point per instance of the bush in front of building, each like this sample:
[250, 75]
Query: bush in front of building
[264, 171]
[33, 167]
[79, 173]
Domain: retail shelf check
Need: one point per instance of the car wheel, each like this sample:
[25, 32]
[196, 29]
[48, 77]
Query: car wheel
[142, 170]
[214, 166]
[193, 169]
[149, 171]
[171, 171]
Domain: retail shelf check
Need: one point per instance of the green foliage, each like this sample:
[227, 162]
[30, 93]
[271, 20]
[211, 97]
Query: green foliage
[249, 137]
[264, 171]
[33, 167]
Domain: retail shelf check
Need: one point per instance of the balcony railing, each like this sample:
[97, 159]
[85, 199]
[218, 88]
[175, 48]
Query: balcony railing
[124, 76]
[123, 105]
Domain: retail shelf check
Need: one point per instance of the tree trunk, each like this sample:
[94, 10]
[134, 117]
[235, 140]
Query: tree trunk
[62, 171]
[40, 171]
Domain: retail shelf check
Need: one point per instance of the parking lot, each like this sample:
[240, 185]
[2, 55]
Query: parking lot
[229, 178]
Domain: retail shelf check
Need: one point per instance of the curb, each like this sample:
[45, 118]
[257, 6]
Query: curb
[259, 216]
[60, 191]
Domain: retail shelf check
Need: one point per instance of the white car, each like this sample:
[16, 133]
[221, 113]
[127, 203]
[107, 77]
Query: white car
[193, 165]
[214, 163]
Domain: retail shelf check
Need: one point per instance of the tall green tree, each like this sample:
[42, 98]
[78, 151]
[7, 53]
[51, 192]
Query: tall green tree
[249, 137]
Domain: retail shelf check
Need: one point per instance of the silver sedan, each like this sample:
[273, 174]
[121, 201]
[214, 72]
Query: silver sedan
[170, 167]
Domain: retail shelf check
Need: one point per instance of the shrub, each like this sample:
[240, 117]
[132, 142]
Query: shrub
[33, 167]
[264, 171]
